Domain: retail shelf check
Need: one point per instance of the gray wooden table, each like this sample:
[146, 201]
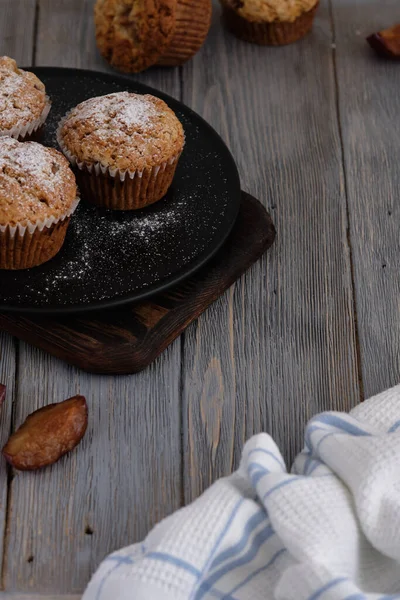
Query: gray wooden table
[315, 325]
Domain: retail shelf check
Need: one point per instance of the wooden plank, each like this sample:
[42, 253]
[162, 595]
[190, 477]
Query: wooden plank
[369, 104]
[122, 479]
[7, 377]
[16, 40]
[66, 38]
[126, 342]
[281, 346]
[16, 34]
[126, 475]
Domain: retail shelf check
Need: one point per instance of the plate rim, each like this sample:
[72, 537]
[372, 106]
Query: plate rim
[156, 288]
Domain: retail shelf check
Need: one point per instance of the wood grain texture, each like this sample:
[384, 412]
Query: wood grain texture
[280, 346]
[66, 38]
[126, 474]
[127, 341]
[123, 477]
[7, 377]
[369, 103]
[16, 40]
[16, 33]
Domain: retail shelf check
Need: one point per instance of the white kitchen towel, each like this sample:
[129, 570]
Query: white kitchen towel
[329, 530]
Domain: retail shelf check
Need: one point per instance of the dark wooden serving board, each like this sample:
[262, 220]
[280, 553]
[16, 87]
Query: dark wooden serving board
[127, 341]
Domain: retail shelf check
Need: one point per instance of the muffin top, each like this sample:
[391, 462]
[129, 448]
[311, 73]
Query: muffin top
[22, 95]
[133, 34]
[270, 10]
[122, 131]
[36, 183]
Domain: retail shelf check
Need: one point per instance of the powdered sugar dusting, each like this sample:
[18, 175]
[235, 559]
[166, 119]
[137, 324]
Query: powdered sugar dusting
[111, 256]
[22, 95]
[137, 113]
[10, 84]
[33, 180]
[30, 158]
[124, 131]
[131, 111]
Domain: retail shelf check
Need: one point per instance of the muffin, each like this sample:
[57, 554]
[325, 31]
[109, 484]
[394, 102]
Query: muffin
[24, 105]
[133, 35]
[38, 195]
[192, 24]
[125, 146]
[273, 23]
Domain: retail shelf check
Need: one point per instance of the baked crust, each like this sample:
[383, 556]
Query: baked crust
[22, 96]
[124, 131]
[270, 10]
[36, 183]
[133, 34]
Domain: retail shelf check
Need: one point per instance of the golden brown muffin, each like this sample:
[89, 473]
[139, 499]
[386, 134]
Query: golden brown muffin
[24, 105]
[38, 195]
[269, 22]
[133, 35]
[126, 147]
[192, 24]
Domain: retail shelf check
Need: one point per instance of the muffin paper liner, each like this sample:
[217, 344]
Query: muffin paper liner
[21, 133]
[120, 190]
[39, 225]
[276, 33]
[193, 20]
[30, 245]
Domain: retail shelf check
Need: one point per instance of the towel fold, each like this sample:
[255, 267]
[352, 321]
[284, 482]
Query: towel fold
[327, 530]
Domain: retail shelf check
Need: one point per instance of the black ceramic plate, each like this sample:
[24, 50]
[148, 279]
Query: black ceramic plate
[110, 258]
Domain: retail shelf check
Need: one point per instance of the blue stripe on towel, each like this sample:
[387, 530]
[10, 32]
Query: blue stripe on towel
[120, 560]
[258, 541]
[269, 453]
[394, 427]
[292, 480]
[339, 423]
[309, 431]
[327, 587]
[342, 423]
[256, 472]
[104, 579]
[322, 440]
[315, 465]
[254, 574]
[281, 484]
[254, 466]
[307, 463]
[222, 534]
[218, 541]
[251, 525]
[173, 560]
